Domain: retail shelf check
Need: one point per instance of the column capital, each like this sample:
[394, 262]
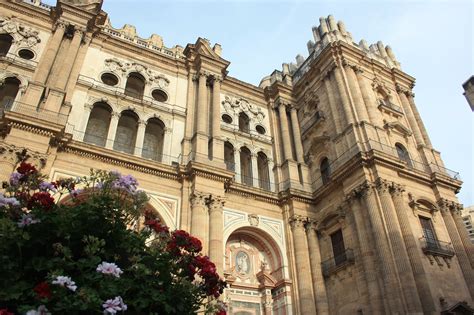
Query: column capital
[401, 89]
[446, 206]
[60, 24]
[199, 199]
[217, 78]
[203, 73]
[311, 226]
[397, 189]
[216, 203]
[297, 222]
[364, 189]
[116, 115]
[142, 122]
[383, 186]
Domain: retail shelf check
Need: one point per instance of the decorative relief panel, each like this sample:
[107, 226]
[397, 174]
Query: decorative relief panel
[123, 67]
[23, 36]
[238, 104]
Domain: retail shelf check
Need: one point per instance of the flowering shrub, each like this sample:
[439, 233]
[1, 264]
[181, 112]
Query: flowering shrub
[90, 254]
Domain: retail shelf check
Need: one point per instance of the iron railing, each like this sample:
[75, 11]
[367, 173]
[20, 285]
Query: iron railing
[334, 263]
[434, 247]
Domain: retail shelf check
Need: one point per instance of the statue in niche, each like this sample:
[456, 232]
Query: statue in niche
[242, 263]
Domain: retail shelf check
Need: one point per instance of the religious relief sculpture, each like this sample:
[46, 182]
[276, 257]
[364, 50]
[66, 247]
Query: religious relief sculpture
[239, 104]
[242, 263]
[21, 34]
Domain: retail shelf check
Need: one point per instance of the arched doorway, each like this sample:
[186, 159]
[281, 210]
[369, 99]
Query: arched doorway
[254, 270]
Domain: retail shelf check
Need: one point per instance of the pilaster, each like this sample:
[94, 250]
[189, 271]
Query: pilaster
[409, 114]
[199, 218]
[216, 232]
[285, 132]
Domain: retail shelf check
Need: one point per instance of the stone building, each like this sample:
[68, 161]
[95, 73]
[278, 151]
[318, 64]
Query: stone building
[468, 87]
[468, 218]
[316, 192]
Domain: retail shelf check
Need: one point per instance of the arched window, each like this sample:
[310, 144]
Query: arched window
[5, 44]
[98, 124]
[403, 154]
[246, 166]
[126, 132]
[229, 156]
[8, 92]
[154, 139]
[135, 85]
[263, 171]
[325, 171]
[244, 122]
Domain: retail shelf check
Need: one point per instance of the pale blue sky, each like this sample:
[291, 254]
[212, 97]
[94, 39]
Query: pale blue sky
[433, 40]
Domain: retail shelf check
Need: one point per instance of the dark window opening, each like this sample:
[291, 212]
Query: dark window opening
[227, 119]
[98, 124]
[403, 154]
[5, 44]
[8, 92]
[159, 95]
[109, 79]
[260, 129]
[26, 54]
[263, 171]
[244, 123]
[229, 159]
[135, 85]
[325, 171]
[154, 139]
[246, 166]
[126, 132]
[338, 247]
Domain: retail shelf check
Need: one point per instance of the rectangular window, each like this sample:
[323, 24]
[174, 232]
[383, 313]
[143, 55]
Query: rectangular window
[338, 247]
[428, 231]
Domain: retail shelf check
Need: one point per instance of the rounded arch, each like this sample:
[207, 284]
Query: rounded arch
[98, 124]
[244, 122]
[135, 85]
[109, 77]
[126, 134]
[403, 154]
[229, 158]
[9, 91]
[6, 41]
[152, 146]
[246, 166]
[325, 169]
[263, 171]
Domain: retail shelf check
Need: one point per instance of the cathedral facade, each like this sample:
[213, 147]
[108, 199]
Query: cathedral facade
[316, 192]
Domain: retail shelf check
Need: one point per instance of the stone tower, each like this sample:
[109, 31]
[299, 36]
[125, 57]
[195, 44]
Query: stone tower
[317, 192]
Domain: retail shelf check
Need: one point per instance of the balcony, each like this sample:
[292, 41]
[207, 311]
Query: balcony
[389, 106]
[436, 248]
[28, 111]
[336, 263]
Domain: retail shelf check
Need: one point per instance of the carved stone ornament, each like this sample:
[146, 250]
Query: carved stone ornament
[15, 155]
[446, 205]
[298, 221]
[87, 5]
[123, 67]
[253, 219]
[23, 36]
[199, 200]
[239, 104]
[216, 203]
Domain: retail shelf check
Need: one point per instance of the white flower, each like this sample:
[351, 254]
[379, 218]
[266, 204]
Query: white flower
[42, 310]
[109, 269]
[65, 282]
[111, 306]
[27, 219]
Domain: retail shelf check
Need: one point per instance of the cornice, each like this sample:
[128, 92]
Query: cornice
[251, 192]
[121, 159]
[35, 13]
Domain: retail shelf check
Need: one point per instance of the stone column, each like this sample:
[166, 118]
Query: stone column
[68, 63]
[446, 206]
[199, 218]
[386, 264]
[46, 62]
[238, 171]
[409, 114]
[285, 132]
[359, 104]
[367, 255]
[271, 175]
[303, 272]
[297, 135]
[140, 137]
[85, 120]
[201, 140]
[189, 127]
[341, 87]
[414, 253]
[369, 100]
[463, 234]
[216, 232]
[114, 119]
[338, 119]
[202, 119]
[418, 119]
[402, 262]
[217, 143]
[319, 286]
[255, 176]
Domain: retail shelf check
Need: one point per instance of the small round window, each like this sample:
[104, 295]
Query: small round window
[109, 79]
[227, 119]
[159, 95]
[260, 129]
[26, 54]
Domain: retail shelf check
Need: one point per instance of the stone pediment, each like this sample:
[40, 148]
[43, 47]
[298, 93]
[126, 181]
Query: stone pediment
[399, 127]
[203, 48]
[92, 6]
